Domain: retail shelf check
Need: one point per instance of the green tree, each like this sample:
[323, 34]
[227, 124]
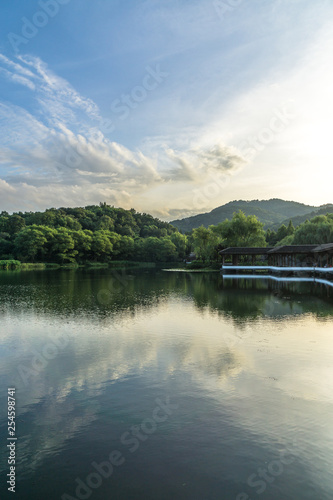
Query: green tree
[6, 247]
[82, 241]
[124, 248]
[180, 242]
[63, 246]
[29, 244]
[105, 223]
[202, 242]
[243, 231]
[318, 230]
[15, 224]
[290, 228]
[154, 249]
[101, 246]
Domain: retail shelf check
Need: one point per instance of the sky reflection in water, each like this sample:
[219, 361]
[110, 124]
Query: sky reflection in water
[248, 362]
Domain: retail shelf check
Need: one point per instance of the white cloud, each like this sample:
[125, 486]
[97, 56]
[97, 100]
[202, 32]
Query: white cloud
[53, 156]
[17, 78]
[15, 66]
[53, 144]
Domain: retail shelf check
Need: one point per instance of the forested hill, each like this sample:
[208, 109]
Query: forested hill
[93, 218]
[299, 219]
[88, 234]
[270, 212]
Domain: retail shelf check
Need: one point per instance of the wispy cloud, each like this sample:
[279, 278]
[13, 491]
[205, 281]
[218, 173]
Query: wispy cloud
[18, 68]
[51, 152]
[17, 78]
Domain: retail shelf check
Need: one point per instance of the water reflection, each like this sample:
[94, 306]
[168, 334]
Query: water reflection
[248, 361]
[104, 292]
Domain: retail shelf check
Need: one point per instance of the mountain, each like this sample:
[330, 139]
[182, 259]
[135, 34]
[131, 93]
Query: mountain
[272, 213]
[299, 219]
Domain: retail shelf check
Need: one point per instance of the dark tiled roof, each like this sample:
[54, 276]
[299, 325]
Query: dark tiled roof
[324, 248]
[245, 250]
[293, 249]
[283, 249]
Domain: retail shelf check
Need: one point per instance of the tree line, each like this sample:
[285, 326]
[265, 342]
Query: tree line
[101, 233]
[94, 233]
[248, 231]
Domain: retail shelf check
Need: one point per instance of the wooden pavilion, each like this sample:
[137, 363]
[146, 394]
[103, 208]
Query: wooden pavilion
[309, 258]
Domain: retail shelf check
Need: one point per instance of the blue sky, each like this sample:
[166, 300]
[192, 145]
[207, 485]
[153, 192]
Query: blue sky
[170, 107]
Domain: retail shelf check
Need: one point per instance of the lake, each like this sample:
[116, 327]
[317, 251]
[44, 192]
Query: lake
[147, 384]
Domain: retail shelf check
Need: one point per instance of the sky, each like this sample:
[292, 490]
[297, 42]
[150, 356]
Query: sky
[171, 107]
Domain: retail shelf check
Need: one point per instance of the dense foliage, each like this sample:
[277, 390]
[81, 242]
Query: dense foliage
[94, 233]
[104, 233]
[240, 231]
[319, 230]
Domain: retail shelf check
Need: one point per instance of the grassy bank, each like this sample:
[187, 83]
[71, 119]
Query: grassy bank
[10, 264]
[16, 265]
[197, 267]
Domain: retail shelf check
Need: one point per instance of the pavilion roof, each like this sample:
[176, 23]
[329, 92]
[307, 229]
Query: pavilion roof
[245, 250]
[282, 249]
[327, 247]
[293, 249]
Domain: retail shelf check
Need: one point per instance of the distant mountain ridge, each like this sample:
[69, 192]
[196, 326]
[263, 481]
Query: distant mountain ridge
[299, 219]
[272, 213]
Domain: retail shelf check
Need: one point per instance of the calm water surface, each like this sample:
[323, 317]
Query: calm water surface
[195, 386]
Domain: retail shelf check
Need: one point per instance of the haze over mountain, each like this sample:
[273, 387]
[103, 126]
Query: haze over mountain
[272, 213]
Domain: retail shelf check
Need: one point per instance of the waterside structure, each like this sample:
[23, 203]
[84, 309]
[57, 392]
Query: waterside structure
[310, 259]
